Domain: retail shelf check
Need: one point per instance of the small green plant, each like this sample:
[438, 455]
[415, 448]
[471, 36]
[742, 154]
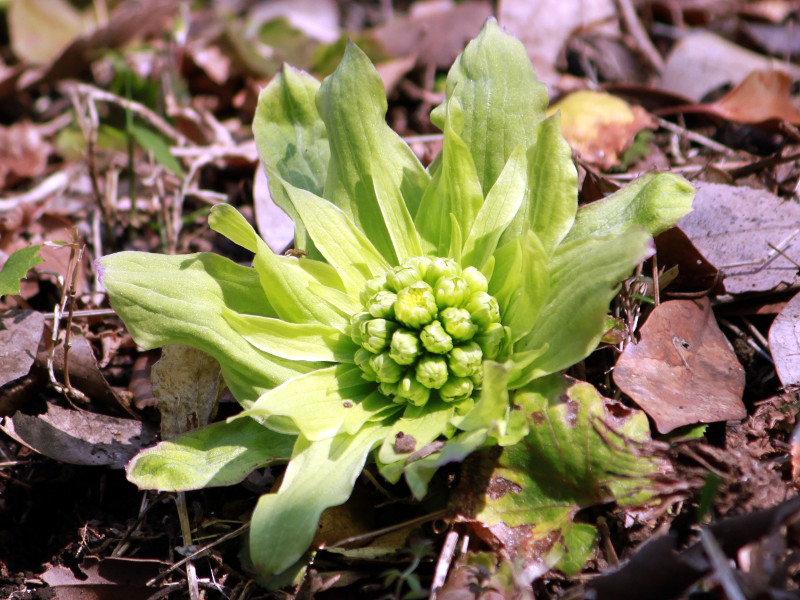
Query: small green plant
[428, 303]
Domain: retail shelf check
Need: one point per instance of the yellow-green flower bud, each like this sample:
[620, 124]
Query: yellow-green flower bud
[372, 287]
[413, 391]
[389, 389]
[435, 338]
[451, 291]
[483, 309]
[456, 389]
[465, 360]
[476, 280]
[361, 358]
[405, 346]
[457, 323]
[381, 305]
[376, 334]
[440, 267]
[401, 277]
[416, 305]
[420, 263]
[354, 329]
[492, 340]
[385, 368]
[431, 371]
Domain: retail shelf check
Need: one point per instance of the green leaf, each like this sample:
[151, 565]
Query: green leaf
[150, 141]
[521, 283]
[656, 201]
[373, 176]
[584, 277]
[342, 244]
[455, 191]
[320, 474]
[423, 423]
[552, 199]
[180, 299]
[292, 140]
[319, 403]
[502, 100]
[16, 267]
[571, 458]
[217, 455]
[502, 203]
[295, 341]
[287, 288]
[492, 403]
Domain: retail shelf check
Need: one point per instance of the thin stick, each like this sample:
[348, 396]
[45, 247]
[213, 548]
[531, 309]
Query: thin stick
[444, 561]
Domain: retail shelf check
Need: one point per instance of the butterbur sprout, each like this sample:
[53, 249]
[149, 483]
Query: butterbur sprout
[428, 302]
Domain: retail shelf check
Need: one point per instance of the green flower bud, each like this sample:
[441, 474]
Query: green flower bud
[492, 340]
[372, 287]
[456, 389]
[451, 291]
[376, 334]
[405, 347]
[389, 389]
[466, 360]
[431, 371]
[465, 406]
[381, 305]
[441, 267]
[483, 309]
[354, 329]
[421, 263]
[477, 378]
[416, 305]
[401, 277]
[361, 358]
[457, 323]
[435, 338]
[476, 280]
[385, 368]
[413, 391]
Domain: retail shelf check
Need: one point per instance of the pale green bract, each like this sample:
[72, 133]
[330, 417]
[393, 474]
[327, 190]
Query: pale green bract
[428, 298]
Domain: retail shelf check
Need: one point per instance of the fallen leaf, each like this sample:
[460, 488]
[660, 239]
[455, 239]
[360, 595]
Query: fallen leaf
[20, 333]
[761, 97]
[683, 370]
[733, 227]
[80, 437]
[433, 32]
[702, 61]
[579, 452]
[84, 374]
[274, 225]
[599, 126]
[40, 30]
[545, 26]
[187, 383]
[659, 570]
[695, 273]
[23, 152]
[784, 342]
[110, 578]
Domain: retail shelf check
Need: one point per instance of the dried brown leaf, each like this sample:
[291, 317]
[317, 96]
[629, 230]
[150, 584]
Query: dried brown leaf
[683, 370]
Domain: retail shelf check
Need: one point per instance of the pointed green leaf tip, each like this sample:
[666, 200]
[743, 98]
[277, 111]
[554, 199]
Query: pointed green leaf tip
[431, 302]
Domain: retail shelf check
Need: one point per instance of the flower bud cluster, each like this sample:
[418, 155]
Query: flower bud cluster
[426, 328]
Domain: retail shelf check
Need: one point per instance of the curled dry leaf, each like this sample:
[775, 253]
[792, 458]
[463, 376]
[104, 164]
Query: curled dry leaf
[763, 96]
[683, 370]
[600, 126]
[702, 61]
[80, 437]
[784, 342]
